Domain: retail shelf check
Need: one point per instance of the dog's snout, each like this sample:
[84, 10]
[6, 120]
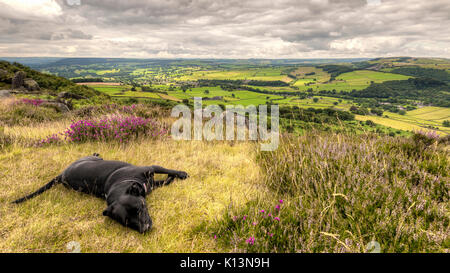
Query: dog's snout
[145, 227]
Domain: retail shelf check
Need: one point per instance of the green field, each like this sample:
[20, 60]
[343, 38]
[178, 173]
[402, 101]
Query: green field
[305, 81]
[318, 77]
[348, 81]
[419, 119]
[260, 74]
[242, 97]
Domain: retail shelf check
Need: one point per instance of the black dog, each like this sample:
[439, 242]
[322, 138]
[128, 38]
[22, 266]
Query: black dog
[124, 186]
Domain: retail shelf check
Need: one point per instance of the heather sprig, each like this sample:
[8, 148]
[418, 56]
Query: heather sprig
[35, 102]
[51, 139]
[118, 128]
[113, 128]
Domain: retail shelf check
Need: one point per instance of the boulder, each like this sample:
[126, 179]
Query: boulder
[67, 103]
[60, 107]
[18, 79]
[67, 95]
[31, 85]
[5, 93]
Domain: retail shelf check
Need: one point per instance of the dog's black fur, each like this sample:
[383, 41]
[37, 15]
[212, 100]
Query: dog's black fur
[124, 186]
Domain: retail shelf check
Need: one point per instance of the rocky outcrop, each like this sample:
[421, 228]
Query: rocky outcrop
[18, 80]
[67, 95]
[58, 106]
[21, 82]
[31, 85]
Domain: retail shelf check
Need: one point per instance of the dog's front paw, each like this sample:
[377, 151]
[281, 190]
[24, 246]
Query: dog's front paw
[182, 175]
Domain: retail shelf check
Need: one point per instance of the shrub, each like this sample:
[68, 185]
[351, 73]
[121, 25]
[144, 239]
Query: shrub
[370, 123]
[26, 114]
[35, 102]
[425, 138]
[117, 128]
[359, 110]
[52, 139]
[378, 112]
[139, 110]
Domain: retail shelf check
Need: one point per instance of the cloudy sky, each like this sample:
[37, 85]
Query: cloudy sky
[224, 28]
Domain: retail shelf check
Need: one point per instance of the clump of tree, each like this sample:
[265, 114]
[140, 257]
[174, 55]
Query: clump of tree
[376, 111]
[427, 90]
[416, 71]
[81, 80]
[328, 115]
[238, 83]
[336, 70]
[359, 110]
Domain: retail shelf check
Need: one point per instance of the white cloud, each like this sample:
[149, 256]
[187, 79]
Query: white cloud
[30, 9]
[373, 2]
[225, 29]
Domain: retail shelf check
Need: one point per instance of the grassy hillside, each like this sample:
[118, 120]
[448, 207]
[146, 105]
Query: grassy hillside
[338, 191]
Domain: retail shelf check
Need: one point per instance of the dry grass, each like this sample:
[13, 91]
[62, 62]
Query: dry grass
[219, 173]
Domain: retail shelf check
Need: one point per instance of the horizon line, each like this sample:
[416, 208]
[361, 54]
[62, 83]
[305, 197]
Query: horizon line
[217, 58]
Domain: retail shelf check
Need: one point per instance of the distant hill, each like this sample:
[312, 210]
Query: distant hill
[31, 61]
[49, 62]
[46, 83]
[387, 64]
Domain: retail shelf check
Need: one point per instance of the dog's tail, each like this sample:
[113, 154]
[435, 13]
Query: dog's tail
[47, 186]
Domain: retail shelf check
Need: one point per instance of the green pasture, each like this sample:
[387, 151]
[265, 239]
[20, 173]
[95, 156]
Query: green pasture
[357, 80]
[419, 119]
[261, 74]
[320, 76]
[241, 97]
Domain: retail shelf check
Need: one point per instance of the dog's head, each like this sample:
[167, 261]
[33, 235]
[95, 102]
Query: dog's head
[131, 211]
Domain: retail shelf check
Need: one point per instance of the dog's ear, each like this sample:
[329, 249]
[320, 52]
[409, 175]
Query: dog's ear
[136, 189]
[116, 212]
